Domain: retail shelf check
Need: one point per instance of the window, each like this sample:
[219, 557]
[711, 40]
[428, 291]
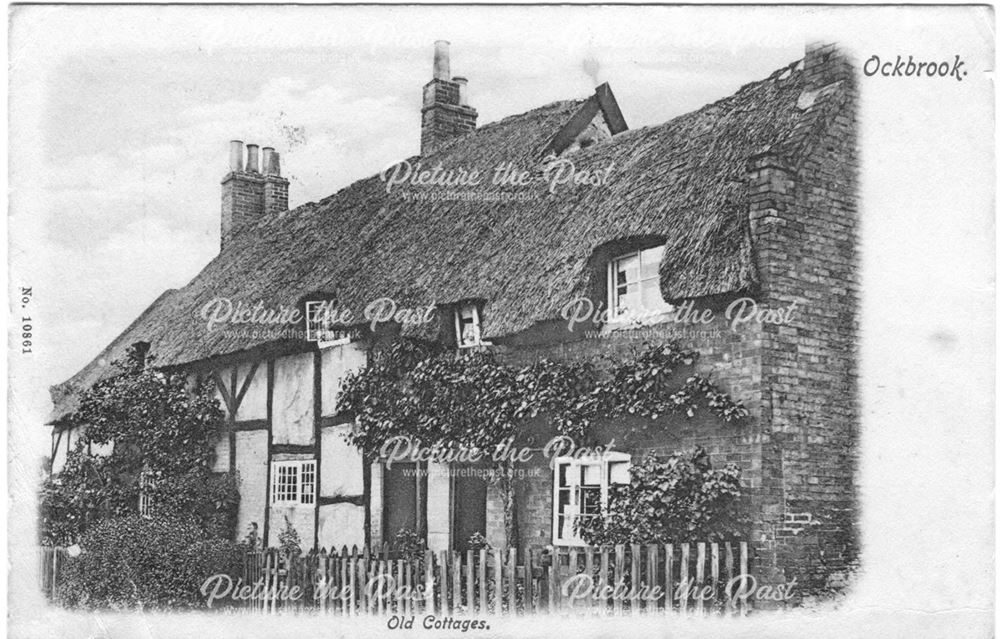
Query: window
[324, 325]
[634, 286]
[581, 492]
[293, 482]
[467, 326]
[145, 499]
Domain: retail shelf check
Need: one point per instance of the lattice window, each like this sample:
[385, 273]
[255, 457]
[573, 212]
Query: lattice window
[293, 482]
[581, 492]
[145, 498]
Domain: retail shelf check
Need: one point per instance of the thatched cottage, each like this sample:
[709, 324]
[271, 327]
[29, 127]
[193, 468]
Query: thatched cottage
[752, 196]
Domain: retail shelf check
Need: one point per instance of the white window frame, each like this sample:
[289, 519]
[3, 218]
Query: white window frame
[298, 492]
[574, 474]
[477, 339]
[634, 316]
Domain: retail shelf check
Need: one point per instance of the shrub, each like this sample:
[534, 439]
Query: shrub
[289, 541]
[161, 434]
[410, 544]
[677, 500]
[137, 562]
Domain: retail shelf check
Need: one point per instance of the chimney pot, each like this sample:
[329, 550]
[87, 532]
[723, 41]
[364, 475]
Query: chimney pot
[266, 160]
[253, 164]
[236, 155]
[442, 63]
[463, 90]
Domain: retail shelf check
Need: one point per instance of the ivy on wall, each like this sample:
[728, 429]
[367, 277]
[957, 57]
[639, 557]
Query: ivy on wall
[152, 425]
[473, 399]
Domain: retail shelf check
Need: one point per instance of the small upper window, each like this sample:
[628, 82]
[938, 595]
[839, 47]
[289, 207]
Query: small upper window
[467, 326]
[634, 286]
[145, 488]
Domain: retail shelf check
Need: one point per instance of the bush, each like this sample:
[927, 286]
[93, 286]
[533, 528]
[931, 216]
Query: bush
[681, 499]
[161, 434]
[138, 562]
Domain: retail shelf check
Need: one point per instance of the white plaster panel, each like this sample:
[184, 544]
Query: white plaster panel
[341, 466]
[251, 463]
[341, 525]
[302, 518]
[336, 363]
[292, 421]
[254, 404]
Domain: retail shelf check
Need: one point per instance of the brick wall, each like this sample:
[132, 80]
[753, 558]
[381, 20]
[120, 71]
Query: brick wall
[804, 221]
[242, 202]
[442, 117]
[730, 357]
[274, 195]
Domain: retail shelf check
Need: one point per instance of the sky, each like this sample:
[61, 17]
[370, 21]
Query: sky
[120, 118]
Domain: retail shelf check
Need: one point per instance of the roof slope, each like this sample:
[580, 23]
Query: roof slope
[683, 180]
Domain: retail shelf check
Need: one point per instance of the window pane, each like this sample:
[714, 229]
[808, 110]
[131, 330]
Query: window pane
[629, 301]
[563, 501]
[627, 270]
[590, 500]
[590, 475]
[618, 473]
[651, 259]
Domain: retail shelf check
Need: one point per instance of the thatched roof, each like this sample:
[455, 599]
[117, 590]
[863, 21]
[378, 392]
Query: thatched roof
[683, 180]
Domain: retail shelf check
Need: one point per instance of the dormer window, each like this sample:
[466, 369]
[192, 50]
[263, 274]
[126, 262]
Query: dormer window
[467, 328]
[634, 287]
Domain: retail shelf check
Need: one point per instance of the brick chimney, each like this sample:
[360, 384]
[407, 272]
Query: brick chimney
[248, 192]
[446, 113]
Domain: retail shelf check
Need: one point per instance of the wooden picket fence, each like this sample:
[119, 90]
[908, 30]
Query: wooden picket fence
[687, 578]
[50, 564]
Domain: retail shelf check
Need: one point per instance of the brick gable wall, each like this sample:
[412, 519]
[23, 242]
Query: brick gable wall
[804, 221]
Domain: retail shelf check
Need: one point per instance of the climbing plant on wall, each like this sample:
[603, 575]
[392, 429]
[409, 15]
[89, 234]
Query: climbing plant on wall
[474, 400]
[158, 434]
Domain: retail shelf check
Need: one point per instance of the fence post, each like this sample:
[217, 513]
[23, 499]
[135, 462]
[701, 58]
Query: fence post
[55, 571]
[685, 587]
[470, 585]
[512, 589]
[668, 574]
[619, 576]
[443, 576]
[700, 579]
[652, 577]
[636, 577]
[743, 574]
[498, 579]
[429, 582]
[456, 582]
[529, 583]
[716, 598]
[483, 601]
